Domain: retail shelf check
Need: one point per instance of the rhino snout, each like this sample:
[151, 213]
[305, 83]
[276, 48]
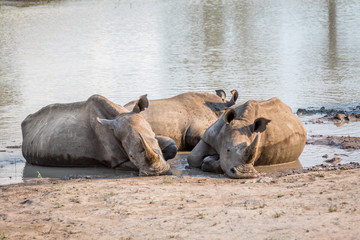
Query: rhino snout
[163, 169]
[242, 171]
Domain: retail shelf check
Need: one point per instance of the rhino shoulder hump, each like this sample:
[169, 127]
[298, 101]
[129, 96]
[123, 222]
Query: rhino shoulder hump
[97, 100]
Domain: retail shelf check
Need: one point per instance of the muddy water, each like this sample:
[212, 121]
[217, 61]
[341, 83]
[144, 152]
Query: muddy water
[307, 53]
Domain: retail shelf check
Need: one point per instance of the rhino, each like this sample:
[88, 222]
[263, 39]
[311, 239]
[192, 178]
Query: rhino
[185, 117]
[95, 132]
[254, 133]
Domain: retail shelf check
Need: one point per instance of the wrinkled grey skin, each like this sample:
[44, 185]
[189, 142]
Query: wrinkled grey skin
[185, 117]
[94, 132]
[252, 134]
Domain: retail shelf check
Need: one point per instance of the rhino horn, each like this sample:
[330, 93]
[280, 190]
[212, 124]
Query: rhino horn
[251, 151]
[151, 155]
[234, 97]
[106, 122]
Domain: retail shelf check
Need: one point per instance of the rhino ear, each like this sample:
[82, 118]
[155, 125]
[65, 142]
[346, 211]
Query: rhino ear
[141, 104]
[229, 115]
[259, 125]
[221, 93]
[234, 97]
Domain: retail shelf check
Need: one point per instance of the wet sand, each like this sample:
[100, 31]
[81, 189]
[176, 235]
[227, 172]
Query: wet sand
[320, 204]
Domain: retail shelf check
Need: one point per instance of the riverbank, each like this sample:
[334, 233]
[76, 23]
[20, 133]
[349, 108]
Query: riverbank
[320, 204]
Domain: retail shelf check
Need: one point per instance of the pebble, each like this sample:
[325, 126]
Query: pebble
[27, 201]
[265, 180]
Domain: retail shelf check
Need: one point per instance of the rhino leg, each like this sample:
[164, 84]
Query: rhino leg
[197, 155]
[193, 135]
[168, 147]
[212, 164]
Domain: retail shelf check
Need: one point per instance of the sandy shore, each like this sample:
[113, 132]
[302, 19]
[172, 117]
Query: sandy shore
[320, 205]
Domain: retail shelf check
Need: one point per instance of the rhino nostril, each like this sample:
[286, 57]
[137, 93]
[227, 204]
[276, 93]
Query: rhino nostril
[232, 170]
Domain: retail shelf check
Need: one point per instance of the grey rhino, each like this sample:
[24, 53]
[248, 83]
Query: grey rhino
[94, 132]
[253, 133]
[185, 117]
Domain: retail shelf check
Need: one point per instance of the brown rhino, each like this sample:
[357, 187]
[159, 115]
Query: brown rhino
[185, 117]
[95, 132]
[253, 133]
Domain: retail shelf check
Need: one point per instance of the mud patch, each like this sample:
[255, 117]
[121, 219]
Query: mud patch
[316, 168]
[338, 118]
[332, 167]
[324, 111]
[348, 143]
[331, 115]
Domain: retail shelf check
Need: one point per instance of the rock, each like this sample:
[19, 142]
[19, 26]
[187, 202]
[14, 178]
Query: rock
[334, 160]
[325, 156]
[27, 201]
[264, 180]
[340, 116]
[14, 147]
[248, 181]
[355, 116]
[331, 115]
[351, 143]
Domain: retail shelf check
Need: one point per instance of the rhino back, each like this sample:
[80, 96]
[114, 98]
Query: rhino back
[184, 117]
[68, 135]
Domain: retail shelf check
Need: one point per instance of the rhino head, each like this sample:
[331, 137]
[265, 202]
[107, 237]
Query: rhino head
[138, 140]
[236, 143]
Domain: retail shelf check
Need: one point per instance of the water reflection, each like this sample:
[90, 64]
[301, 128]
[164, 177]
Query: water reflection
[332, 53]
[9, 92]
[286, 49]
[32, 171]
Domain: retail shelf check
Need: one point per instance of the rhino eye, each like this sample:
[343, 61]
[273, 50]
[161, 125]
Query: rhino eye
[228, 150]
